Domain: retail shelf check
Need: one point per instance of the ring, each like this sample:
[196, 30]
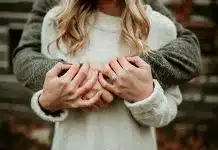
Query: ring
[69, 81]
[113, 78]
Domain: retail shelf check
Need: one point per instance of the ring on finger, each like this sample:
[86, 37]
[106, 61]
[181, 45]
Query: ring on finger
[113, 78]
[69, 81]
[120, 73]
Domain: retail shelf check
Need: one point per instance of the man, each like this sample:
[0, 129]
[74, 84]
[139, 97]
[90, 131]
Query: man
[178, 62]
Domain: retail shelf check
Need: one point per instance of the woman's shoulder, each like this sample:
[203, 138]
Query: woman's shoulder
[156, 19]
[155, 15]
[52, 13]
[162, 29]
[50, 19]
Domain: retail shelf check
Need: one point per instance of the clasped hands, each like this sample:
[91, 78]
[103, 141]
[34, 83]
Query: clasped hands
[129, 78]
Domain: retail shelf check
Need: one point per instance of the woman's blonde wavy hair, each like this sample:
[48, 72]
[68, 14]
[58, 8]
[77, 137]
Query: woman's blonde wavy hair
[73, 24]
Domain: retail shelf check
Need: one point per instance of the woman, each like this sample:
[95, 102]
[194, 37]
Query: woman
[103, 34]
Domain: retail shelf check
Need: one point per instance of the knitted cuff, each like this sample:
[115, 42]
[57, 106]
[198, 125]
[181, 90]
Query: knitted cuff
[45, 115]
[147, 105]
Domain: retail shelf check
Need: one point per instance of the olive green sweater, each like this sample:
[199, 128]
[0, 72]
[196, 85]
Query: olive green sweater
[175, 63]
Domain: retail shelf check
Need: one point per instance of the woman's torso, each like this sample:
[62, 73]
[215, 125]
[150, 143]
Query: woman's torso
[112, 128]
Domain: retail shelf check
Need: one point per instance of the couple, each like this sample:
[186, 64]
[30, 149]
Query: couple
[110, 98]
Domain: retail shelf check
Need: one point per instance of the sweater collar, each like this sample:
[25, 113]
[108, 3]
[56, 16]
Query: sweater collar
[107, 23]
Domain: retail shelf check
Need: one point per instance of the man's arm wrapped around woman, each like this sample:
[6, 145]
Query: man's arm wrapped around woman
[175, 63]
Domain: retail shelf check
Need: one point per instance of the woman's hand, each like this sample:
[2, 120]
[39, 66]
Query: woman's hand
[132, 78]
[65, 92]
[106, 98]
[104, 101]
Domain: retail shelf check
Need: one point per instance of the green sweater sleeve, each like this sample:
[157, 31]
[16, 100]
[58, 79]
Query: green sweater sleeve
[30, 66]
[174, 64]
[180, 60]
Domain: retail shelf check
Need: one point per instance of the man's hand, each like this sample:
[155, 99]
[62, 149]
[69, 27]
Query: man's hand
[64, 92]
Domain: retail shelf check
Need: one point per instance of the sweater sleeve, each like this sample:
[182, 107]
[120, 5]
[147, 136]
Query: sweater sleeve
[173, 64]
[42, 114]
[178, 61]
[30, 66]
[159, 109]
[48, 36]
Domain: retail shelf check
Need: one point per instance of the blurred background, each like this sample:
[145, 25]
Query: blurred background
[195, 128]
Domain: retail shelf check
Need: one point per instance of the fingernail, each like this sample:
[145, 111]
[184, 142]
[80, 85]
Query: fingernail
[96, 72]
[77, 65]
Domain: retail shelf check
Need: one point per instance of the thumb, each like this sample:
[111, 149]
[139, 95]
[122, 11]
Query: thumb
[137, 61]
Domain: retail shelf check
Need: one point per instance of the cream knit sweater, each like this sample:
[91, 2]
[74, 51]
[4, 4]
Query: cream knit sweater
[124, 125]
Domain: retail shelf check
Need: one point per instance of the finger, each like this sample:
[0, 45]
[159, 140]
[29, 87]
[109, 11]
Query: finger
[105, 84]
[125, 63]
[100, 104]
[108, 72]
[87, 108]
[95, 107]
[91, 101]
[107, 97]
[56, 70]
[116, 67]
[88, 85]
[105, 104]
[137, 61]
[89, 95]
[70, 74]
[81, 75]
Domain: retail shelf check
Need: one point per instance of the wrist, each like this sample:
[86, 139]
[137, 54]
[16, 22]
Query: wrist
[45, 107]
[43, 104]
[147, 93]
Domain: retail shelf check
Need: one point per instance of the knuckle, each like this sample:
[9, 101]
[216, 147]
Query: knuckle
[76, 66]
[72, 97]
[86, 88]
[118, 91]
[87, 103]
[74, 105]
[119, 84]
[48, 73]
[137, 57]
[111, 61]
[104, 85]
[147, 66]
[129, 70]
[84, 74]
[123, 76]
[120, 58]
[63, 83]
[72, 90]
[58, 64]
[106, 71]
[110, 99]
